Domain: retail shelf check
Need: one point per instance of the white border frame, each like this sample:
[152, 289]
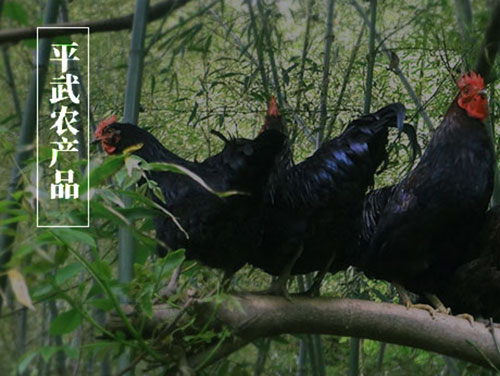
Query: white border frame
[88, 127]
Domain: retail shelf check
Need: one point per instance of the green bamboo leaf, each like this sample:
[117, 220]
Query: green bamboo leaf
[41, 290]
[151, 204]
[48, 351]
[6, 204]
[70, 235]
[19, 218]
[104, 304]
[66, 273]
[66, 322]
[71, 352]
[193, 112]
[100, 173]
[62, 39]
[7, 119]
[153, 84]
[111, 197]
[26, 360]
[106, 212]
[102, 269]
[172, 261]
[178, 169]
[30, 43]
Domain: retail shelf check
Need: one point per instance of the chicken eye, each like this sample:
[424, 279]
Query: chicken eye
[466, 91]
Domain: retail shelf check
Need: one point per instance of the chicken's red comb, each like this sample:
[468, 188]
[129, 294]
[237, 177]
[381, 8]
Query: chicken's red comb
[473, 79]
[272, 109]
[103, 124]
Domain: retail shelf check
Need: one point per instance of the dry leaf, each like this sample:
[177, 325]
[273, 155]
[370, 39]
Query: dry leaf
[20, 289]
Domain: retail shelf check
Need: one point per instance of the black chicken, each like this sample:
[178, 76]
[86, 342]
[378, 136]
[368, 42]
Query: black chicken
[474, 286]
[440, 206]
[373, 205]
[222, 231]
[313, 209]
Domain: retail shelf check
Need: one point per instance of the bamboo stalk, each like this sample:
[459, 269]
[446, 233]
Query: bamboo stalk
[490, 46]
[262, 357]
[312, 355]
[22, 315]
[318, 349]
[450, 366]
[463, 13]
[126, 242]
[484, 66]
[302, 359]
[60, 355]
[11, 83]
[22, 319]
[354, 356]
[371, 57]
[270, 52]
[495, 199]
[27, 134]
[258, 47]
[326, 74]
[42, 338]
[355, 343]
[305, 50]
[303, 284]
[380, 357]
[315, 346]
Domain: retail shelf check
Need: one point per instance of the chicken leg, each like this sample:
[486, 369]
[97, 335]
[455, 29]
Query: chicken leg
[314, 290]
[403, 295]
[278, 286]
[438, 304]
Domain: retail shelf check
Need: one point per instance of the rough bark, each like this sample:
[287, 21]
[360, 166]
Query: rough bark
[256, 316]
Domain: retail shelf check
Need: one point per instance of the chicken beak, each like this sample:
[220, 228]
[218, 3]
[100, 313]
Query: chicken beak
[482, 92]
[95, 140]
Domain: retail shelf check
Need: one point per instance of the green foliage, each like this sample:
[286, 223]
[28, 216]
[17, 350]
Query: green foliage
[202, 73]
[66, 322]
[15, 12]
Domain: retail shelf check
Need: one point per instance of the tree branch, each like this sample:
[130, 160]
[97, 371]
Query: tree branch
[256, 316]
[112, 24]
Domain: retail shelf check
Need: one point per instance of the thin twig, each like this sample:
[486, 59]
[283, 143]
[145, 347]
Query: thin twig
[492, 331]
[396, 70]
[132, 364]
[245, 52]
[347, 75]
